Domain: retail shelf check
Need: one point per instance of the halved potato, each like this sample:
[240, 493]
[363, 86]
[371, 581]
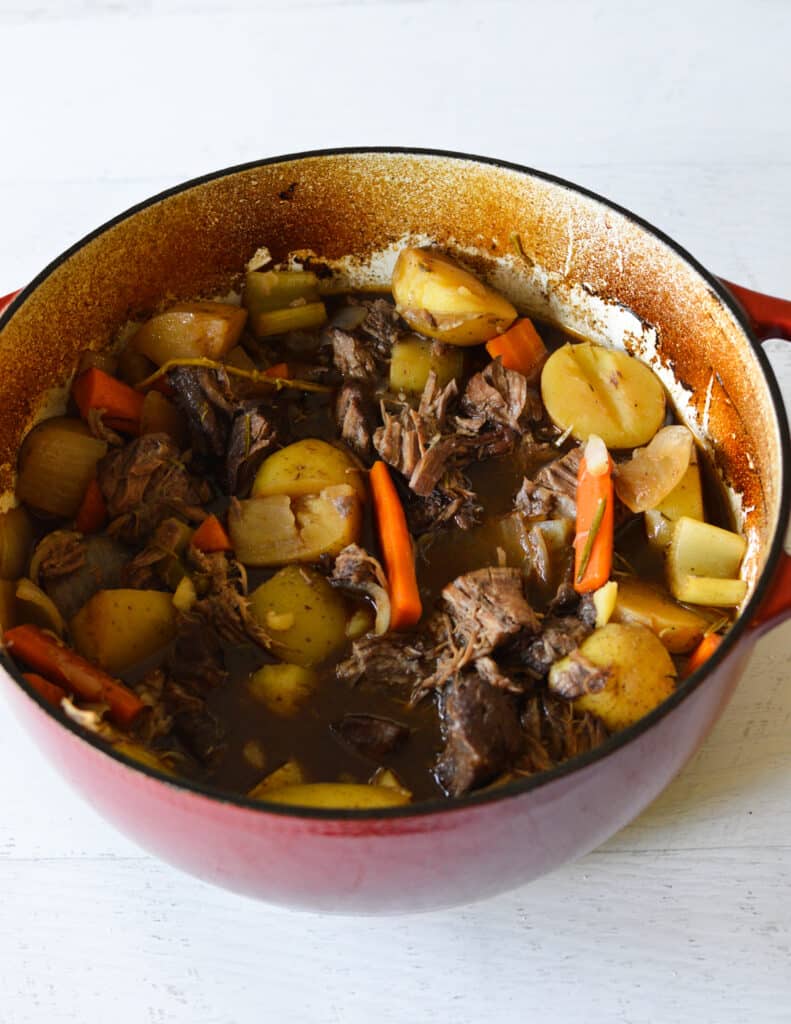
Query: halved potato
[276, 530]
[440, 299]
[641, 673]
[119, 628]
[588, 389]
[190, 330]
[303, 614]
[678, 628]
[307, 467]
[338, 795]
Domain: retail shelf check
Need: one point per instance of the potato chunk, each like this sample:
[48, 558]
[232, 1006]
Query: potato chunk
[307, 467]
[276, 530]
[190, 330]
[678, 628]
[700, 555]
[305, 617]
[589, 389]
[641, 673]
[440, 299]
[413, 359]
[288, 774]
[338, 795]
[686, 499]
[119, 628]
[283, 688]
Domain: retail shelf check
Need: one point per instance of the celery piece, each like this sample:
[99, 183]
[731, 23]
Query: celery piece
[278, 289]
[294, 318]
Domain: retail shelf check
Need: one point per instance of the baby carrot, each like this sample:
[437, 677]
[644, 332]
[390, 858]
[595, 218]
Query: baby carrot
[405, 606]
[92, 514]
[593, 543]
[44, 688]
[520, 348]
[121, 404]
[211, 536]
[707, 646]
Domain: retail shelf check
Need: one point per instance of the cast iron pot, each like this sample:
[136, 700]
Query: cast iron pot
[588, 265]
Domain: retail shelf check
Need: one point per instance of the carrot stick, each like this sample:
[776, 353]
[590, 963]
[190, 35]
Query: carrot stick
[405, 606]
[593, 543]
[707, 646]
[520, 348]
[121, 404]
[211, 536]
[92, 514]
[278, 370]
[44, 688]
[61, 665]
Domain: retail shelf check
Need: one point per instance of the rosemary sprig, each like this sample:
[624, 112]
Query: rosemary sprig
[592, 534]
[256, 376]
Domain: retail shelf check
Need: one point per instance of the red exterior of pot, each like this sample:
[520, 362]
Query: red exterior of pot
[397, 864]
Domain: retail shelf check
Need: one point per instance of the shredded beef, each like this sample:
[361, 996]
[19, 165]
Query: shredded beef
[397, 442]
[354, 357]
[225, 606]
[370, 735]
[251, 437]
[395, 659]
[482, 733]
[578, 677]
[146, 481]
[206, 399]
[486, 607]
[559, 636]
[436, 461]
[360, 574]
[149, 568]
[554, 730]
[354, 415]
[72, 568]
[434, 404]
[553, 492]
[496, 395]
[382, 324]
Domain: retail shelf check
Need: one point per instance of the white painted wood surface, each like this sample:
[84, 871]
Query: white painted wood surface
[677, 110]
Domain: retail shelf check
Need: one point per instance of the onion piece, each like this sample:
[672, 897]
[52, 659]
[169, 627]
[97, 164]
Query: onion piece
[597, 459]
[655, 470]
[34, 606]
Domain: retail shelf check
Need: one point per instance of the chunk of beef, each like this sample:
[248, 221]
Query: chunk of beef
[370, 735]
[382, 324]
[353, 356]
[580, 676]
[496, 395]
[206, 398]
[398, 441]
[436, 461]
[144, 482]
[452, 500]
[434, 404]
[354, 416]
[554, 731]
[360, 574]
[486, 607]
[552, 493]
[225, 607]
[395, 659]
[482, 733]
[559, 636]
[251, 436]
[72, 568]
[149, 568]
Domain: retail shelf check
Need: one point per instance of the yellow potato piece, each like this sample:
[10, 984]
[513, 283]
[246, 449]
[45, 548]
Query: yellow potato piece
[642, 673]
[338, 796]
[288, 774]
[274, 530]
[283, 688]
[190, 330]
[589, 389]
[678, 628]
[440, 299]
[686, 499]
[311, 614]
[413, 359]
[709, 590]
[307, 467]
[119, 628]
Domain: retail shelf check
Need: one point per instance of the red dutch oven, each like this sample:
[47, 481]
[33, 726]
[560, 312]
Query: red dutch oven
[589, 266]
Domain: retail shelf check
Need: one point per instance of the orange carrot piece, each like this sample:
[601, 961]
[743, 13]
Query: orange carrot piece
[278, 370]
[122, 405]
[63, 666]
[44, 688]
[707, 646]
[92, 514]
[520, 348]
[211, 536]
[405, 606]
[593, 543]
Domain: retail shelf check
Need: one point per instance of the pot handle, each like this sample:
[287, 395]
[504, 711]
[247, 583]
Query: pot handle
[769, 317]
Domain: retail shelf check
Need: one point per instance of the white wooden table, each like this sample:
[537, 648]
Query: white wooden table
[679, 111]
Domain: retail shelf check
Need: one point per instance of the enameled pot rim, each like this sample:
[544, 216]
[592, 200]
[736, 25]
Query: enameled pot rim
[738, 633]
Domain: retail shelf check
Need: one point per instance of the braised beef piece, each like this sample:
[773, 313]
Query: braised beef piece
[482, 733]
[382, 324]
[354, 416]
[552, 493]
[499, 395]
[144, 482]
[454, 500]
[554, 731]
[206, 399]
[559, 636]
[436, 461]
[396, 659]
[360, 574]
[370, 735]
[72, 568]
[222, 582]
[486, 607]
[578, 677]
[250, 439]
[397, 442]
[354, 357]
[149, 568]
